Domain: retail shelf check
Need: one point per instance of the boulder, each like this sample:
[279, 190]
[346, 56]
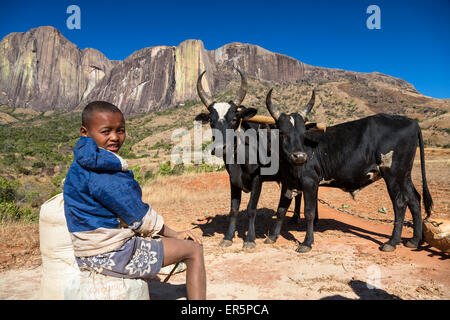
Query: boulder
[436, 232]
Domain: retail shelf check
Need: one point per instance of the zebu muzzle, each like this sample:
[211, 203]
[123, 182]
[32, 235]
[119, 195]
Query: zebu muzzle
[298, 158]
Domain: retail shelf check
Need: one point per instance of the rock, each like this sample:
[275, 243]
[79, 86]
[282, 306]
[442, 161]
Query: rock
[42, 70]
[143, 82]
[192, 59]
[260, 63]
[436, 232]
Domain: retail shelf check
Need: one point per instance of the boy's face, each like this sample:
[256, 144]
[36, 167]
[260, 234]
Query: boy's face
[107, 129]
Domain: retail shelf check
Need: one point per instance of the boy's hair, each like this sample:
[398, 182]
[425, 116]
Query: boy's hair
[97, 106]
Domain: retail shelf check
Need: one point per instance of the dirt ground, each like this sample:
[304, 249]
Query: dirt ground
[345, 262]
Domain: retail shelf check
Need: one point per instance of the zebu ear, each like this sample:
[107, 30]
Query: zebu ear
[203, 117]
[246, 113]
[315, 126]
[312, 137]
[310, 125]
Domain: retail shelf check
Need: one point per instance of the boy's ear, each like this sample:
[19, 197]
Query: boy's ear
[203, 117]
[247, 113]
[83, 131]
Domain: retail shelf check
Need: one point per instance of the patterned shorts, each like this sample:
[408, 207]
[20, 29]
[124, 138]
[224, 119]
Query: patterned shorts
[138, 258]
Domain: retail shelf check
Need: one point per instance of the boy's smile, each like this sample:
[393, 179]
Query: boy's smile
[107, 129]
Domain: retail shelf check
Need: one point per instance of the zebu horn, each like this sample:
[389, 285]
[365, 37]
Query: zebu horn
[309, 106]
[272, 109]
[269, 120]
[240, 95]
[261, 119]
[319, 126]
[201, 93]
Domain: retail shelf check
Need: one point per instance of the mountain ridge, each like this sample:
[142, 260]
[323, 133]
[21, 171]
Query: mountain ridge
[40, 69]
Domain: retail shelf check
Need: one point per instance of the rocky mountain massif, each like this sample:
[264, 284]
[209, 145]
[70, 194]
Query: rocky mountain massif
[41, 70]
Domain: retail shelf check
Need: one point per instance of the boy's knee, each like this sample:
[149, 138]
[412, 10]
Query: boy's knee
[196, 250]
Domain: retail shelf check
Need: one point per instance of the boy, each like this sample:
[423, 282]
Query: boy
[99, 189]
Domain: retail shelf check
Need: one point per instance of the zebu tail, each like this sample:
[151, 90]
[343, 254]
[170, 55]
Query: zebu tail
[427, 200]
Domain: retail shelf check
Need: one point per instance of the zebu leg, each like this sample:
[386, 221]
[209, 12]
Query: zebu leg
[285, 202]
[235, 203]
[298, 201]
[251, 211]
[399, 203]
[413, 201]
[310, 198]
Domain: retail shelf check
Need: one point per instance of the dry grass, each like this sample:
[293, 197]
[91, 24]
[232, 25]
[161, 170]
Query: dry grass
[19, 245]
[178, 190]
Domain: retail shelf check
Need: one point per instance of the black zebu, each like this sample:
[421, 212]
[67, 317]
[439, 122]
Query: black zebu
[243, 177]
[351, 156]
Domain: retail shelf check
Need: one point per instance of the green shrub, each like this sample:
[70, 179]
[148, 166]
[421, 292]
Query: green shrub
[204, 167]
[126, 152]
[8, 190]
[38, 164]
[162, 145]
[58, 180]
[137, 172]
[140, 176]
[149, 175]
[165, 169]
[23, 170]
[33, 198]
[178, 169]
[11, 212]
[9, 159]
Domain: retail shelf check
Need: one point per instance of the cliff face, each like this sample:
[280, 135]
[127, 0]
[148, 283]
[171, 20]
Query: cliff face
[260, 63]
[192, 59]
[141, 83]
[42, 70]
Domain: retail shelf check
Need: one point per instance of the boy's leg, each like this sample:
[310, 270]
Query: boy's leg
[189, 252]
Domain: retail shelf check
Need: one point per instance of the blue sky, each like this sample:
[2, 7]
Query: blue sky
[413, 42]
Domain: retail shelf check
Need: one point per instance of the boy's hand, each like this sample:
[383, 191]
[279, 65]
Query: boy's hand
[188, 235]
[183, 235]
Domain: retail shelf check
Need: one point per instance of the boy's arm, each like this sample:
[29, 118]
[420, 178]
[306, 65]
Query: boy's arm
[150, 224]
[122, 195]
[170, 233]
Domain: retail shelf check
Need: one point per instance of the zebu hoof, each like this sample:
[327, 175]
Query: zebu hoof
[303, 248]
[225, 243]
[269, 241]
[249, 245]
[411, 244]
[387, 247]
